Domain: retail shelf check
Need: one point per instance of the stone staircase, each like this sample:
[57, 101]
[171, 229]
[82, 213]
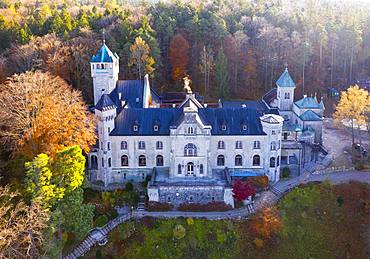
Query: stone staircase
[97, 236]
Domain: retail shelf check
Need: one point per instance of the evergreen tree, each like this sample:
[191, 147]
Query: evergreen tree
[222, 77]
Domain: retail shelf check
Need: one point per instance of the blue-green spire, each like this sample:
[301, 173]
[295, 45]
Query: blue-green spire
[104, 55]
[285, 80]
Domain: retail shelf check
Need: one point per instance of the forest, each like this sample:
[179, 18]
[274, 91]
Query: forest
[230, 49]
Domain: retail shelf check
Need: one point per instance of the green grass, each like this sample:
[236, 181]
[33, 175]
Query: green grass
[319, 221]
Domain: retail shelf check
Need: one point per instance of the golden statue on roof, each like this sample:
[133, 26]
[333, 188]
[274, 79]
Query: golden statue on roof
[187, 82]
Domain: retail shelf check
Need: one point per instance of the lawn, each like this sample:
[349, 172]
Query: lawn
[318, 221]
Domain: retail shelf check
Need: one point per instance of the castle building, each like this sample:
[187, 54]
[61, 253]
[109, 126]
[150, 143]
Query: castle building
[191, 151]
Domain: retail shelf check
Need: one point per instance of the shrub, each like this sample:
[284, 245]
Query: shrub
[258, 242]
[260, 181]
[113, 214]
[148, 222]
[101, 220]
[359, 165]
[98, 254]
[131, 198]
[285, 172]
[190, 221]
[126, 230]
[243, 189]
[212, 206]
[179, 232]
[159, 206]
[129, 187]
[340, 201]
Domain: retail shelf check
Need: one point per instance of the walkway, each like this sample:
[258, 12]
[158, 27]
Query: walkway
[99, 235]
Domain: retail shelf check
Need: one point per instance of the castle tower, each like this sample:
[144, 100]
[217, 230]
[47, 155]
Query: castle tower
[285, 91]
[105, 111]
[104, 71]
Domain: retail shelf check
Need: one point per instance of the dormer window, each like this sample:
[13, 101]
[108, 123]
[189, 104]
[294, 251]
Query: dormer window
[244, 127]
[223, 127]
[135, 128]
[98, 66]
[156, 128]
[190, 130]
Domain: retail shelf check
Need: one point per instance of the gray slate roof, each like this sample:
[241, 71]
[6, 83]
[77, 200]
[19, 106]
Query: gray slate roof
[165, 118]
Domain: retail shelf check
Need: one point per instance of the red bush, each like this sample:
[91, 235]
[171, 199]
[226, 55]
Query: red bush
[243, 189]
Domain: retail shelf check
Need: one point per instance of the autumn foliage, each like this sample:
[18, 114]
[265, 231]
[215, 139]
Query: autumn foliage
[179, 56]
[243, 189]
[266, 223]
[40, 113]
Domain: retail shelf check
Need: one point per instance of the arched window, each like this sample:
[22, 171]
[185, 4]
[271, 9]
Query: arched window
[159, 145]
[238, 160]
[159, 160]
[221, 145]
[178, 169]
[256, 160]
[141, 145]
[123, 145]
[124, 160]
[272, 162]
[287, 95]
[238, 144]
[278, 161]
[142, 160]
[220, 160]
[201, 169]
[273, 145]
[190, 150]
[190, 130]
[109, 162]
[256, 144]
[94, 162]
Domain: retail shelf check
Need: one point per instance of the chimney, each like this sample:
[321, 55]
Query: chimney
[173, 105]
[244, 106]
[305, 95]
[119, 96]
[205, 105]
[137, 99]
[123, 103]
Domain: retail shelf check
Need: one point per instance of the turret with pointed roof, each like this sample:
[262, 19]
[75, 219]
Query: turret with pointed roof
[104, 71]
[285, 91]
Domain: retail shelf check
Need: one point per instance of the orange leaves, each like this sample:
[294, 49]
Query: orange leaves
[40, 113]
[179, 56]
[266, 223]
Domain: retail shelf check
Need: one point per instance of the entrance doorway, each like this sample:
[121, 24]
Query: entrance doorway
[190, 169]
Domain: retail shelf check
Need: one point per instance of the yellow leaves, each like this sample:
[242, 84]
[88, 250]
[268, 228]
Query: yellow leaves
[354, 105]
[140, 57]
[48, 180]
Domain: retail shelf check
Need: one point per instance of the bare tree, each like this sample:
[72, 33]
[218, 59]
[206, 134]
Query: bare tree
[21, 226]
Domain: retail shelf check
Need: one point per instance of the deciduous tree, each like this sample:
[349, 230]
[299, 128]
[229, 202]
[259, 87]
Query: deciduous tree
[179, 56]
[140, 57]
[243, 189]
[21, 226]
[222, 77]
[266, 223]
[353, 108]
[40, 113]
